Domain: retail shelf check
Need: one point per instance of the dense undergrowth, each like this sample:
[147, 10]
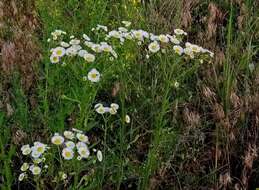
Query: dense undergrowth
[178, 122]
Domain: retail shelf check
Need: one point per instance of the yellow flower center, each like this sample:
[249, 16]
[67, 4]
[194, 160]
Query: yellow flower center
[67, 154]
[93, 75]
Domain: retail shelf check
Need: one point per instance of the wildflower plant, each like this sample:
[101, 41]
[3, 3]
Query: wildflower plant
[67, 152]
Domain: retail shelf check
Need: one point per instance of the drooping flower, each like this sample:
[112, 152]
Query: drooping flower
[99, 156]
[22, 176]
[26, 150]
[70, 144]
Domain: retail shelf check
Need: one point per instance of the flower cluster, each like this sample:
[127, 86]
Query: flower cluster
[101, 109]
[85, 48]
[73, 143]
[36, 153]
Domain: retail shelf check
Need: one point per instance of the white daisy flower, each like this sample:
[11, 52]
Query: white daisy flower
[100, 109]
[64, 44]
[163, 38]
[21, 176]
[35, 154]
[99, 156]
[70, 144]
[57, 139]
[106, 48]
[59, 51]
[69, 134]
[96, 48]
[81, 137]
[114, 34]
[115, 106]
[179, 32]
[127, 119]
[82, 53]
[89, 57]
[74, 42]
[178, 49]
[24, 167]
[67, 153]
[39, 147]
[196, 48]
[154, 47]
[36, 170]
[188, 51]
[54, 59]
[84, 152]
[81, 144]
[71, 51]
[94, 75]
[26, 150]
[112, 111]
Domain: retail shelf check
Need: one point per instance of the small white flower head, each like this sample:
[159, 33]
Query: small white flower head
[36, 170]
[179, 32]
[79, 158]
[64, 44]
[70, 144]
[178, 49]
[26, 150]
[127, 119]
[71, 51]
[126, 23]
[176, 84]
[174, 40]
[114, 106]
[154, 47]
[48, 40]
[86, 37]
[39, 147]
[64, 176]
[94, 75]
[81, 144]
[35, 154]
[81, 137]
[115, 34]
[84, 152]
[54, 59]
[163, 38]
[188, 51]
[196, 48]
[74, 42]
[100, 109]
[106, 48]
[82, 52]
[57, 139]
[99, 156]
[59, 51]
[138, 34]
[67, 153]
[96, 48]
[24, 167]
[147, 56]
[69, 135]
[46, 166]
[89, 57]
[112, 111]
[22, 176]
